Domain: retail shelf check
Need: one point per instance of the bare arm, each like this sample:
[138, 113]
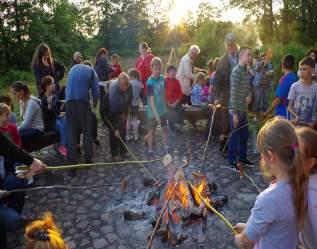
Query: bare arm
[153, 107]
[275, 103]
[291, 110]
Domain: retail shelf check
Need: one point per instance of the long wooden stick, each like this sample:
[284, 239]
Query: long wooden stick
[90, 165]
[214, 210]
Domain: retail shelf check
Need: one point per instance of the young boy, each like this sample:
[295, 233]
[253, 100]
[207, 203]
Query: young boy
[156, 109]
[240, 98]
[174, 96]
[280, 102]
[137, 87]
[303, 95]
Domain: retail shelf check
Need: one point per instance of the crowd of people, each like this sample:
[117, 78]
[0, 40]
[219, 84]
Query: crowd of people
[236, 83]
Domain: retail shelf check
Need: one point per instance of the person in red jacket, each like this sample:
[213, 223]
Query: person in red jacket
[143, 65]
[115, 66]
[173, 96]
[11, 132]
[8, 129]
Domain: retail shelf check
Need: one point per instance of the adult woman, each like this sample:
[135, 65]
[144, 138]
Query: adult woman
[143, 65]
[43, 64]
[53, 119]
[32, 125]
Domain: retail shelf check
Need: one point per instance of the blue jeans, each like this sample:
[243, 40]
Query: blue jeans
[61, 129]
[238, 141]
[29, 134]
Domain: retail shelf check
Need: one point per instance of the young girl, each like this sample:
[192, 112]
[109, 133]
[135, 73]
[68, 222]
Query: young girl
[9, 130]
[7, 100]
[53, 119]
[308, 144]
[197, 90]
[44, 234]
[279, 211]
[43, 64]
[32, 125]
[137, 86]
[115, 66]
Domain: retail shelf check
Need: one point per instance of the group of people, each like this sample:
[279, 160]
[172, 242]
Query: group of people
[233, 83]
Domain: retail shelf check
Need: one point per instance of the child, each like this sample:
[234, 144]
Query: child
[7, 128]
[279, 211]
[115, 66]
[197, 90]
[308, 144]
[262, 84]
[137, 86]
[303, 95]
[156, 110]
[280, 102]
[211, 92]
[7, 100]
[240, 98]
[10, 131]
[44, 233]
[174, 96]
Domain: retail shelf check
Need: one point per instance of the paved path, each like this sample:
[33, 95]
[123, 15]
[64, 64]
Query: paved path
[89, 219]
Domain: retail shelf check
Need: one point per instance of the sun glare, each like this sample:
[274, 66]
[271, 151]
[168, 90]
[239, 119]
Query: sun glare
[180, 8]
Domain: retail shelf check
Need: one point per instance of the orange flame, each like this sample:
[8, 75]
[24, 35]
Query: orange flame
[200, 189]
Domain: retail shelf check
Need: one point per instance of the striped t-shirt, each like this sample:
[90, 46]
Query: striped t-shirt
[239, 82]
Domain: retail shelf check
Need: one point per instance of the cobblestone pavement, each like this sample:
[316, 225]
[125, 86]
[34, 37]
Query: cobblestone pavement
[87, 220]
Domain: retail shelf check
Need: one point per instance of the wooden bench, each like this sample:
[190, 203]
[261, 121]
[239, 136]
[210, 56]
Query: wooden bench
[191, 113]
[48, 138]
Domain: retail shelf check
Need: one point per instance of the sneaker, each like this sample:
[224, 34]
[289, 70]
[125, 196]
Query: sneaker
[247, 163]
[150, 155]
[233, 166]
[128, 138]
[136, 138]
[62, 150]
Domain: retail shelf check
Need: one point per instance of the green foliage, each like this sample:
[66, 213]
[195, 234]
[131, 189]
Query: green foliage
[279, 50]
[15, 75]
[209, 36]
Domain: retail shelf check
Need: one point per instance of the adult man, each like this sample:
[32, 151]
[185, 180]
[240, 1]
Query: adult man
[185, 72]
[82, 80]
[222, 81]
[117, 103]
[10, 214]
[77, 59]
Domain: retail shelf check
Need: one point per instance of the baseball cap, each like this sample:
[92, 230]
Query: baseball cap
[77, 54]
[230, 38]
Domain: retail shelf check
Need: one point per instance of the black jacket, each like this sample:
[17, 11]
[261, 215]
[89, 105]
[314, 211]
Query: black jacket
[222, 76]
[10, 150]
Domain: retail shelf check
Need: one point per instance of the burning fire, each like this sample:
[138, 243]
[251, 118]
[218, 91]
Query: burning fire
[202, 189]
[181, 193]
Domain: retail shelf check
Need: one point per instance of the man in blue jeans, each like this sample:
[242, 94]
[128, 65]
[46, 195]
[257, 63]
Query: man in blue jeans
[240, 98]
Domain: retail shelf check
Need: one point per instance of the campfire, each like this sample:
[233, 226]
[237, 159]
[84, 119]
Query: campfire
[180, 209]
